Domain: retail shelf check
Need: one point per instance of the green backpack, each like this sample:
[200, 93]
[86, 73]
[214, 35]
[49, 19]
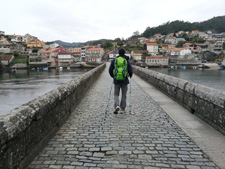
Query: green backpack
[120, 70]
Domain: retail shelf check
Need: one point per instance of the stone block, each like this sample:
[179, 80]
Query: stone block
[214, 96]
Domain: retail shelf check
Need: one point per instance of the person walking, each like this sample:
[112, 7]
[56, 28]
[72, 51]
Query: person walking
[120, 69]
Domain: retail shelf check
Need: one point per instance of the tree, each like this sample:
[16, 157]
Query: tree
[117, 40]
[120, 43]
[136, 34]
[107, 44]
[16, 54]
[180, 44]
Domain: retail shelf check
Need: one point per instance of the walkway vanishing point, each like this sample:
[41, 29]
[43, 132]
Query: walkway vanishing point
[158, 134]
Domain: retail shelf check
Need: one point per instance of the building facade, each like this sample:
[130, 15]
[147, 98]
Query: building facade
[152, 48]
[157, 60]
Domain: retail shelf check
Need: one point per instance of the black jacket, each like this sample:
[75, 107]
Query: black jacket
[129, 70]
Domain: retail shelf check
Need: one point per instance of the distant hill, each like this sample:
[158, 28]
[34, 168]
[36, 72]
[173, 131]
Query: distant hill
[95, 42]
[78, 44]
[67, 44]
[216, 24]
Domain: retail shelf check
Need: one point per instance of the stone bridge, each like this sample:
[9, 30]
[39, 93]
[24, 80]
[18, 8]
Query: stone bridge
[69, 128]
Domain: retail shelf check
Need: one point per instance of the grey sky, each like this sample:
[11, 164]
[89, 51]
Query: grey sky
[83, 20]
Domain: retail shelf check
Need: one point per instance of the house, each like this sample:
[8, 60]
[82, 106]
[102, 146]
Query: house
[193, 47]
[171, 40]
[195, 32]
[51, 45]
[3, 41]
[152, 48]
[138, 54]
[18, 38]
[35, 44]
[167, 47]
[179, 39]
[4, 49]
[180, 52]
[6, 59]
[30, 37]
[156, 60]
[50, 56]
[2, 33]
[215, 46]
[113, 54]
[158, 36]
[64, 59]
[83, 53]
[94, 54]
[218, 37]
[143, 40]
[76, 53]
[18, 48]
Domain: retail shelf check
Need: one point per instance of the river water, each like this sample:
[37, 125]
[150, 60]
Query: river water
[17, 88]
[206, 77]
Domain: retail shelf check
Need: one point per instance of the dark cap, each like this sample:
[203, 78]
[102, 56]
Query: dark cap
[122, 52]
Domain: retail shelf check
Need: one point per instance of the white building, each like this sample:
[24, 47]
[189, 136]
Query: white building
[170, 40]
[65, 59]
[94, 54]
[137, 54]
[156, 60]
[180, 52]
[4, 49]
[152, 48]
[51, 45]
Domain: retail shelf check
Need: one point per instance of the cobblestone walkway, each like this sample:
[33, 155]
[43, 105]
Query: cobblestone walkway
[147, 138]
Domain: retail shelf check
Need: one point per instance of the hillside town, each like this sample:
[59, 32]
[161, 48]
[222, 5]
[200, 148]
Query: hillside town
[158, 50]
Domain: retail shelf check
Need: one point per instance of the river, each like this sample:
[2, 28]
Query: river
[206, 77]
[17, 88]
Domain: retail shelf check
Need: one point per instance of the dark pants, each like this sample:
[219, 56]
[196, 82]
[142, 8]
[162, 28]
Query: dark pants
[123, 98]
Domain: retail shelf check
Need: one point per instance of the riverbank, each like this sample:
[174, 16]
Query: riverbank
[41, 66]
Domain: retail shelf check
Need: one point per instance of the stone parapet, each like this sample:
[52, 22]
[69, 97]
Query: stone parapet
[25, 130]
[205, 102]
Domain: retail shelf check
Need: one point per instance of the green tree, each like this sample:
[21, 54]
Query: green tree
[180, 44]
[120, 43]
[117, 40]
[16, 54]
[223, 45]
[107, 44]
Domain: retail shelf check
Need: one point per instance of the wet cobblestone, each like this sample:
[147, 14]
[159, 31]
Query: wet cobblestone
[146, 138]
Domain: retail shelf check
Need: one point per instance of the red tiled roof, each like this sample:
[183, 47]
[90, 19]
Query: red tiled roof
[140, 51]
[152, 43]
[6, 57]
[94, 49]
[156, 57]
[55, 50]
[178, 49]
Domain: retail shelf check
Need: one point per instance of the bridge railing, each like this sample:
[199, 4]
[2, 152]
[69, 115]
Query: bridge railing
[25, 130]
[205, 102]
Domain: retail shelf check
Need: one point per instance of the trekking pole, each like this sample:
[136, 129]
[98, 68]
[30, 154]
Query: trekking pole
[107, 107]
[130, 96]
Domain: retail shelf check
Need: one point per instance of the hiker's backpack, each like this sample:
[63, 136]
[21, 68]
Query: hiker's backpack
[120, 68]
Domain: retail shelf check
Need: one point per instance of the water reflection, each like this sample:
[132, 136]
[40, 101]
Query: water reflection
[17, 88]
[207, 77]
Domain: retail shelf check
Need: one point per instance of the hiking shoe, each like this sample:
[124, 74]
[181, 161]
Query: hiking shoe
[122, 111]
[117, 109]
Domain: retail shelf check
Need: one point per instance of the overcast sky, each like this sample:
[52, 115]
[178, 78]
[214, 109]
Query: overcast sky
[83, 20]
